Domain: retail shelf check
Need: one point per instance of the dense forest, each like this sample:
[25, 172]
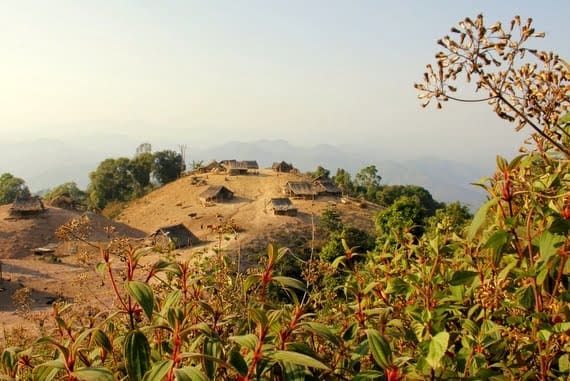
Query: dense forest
[434, 293]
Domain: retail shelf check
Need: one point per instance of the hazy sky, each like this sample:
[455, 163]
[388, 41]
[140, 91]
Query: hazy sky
[212, 71]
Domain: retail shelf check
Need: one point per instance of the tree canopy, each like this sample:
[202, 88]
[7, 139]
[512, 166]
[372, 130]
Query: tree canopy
[11, 187]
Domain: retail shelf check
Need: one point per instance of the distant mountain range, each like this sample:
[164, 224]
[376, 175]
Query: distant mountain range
[46, 163]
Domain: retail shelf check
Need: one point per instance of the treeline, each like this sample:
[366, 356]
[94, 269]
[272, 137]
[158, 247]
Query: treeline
[114, 179]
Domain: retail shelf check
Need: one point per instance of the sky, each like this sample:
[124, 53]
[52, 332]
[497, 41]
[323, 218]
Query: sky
[208, 72]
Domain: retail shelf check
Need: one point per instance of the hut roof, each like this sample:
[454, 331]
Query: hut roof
[300, 188]
[178, 234]
[237, 165]
[211, 165]
[32, 204]
[281, 204]
[327, 186]
[251, 164]
[282, 166]
[213, 191]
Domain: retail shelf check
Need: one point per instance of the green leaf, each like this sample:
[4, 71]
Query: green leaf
[288, 282]
[248, 341]
[323, 331]
[94, 374]
[48, 370]
[380, 348]
[212, 350]
[298, 359]
[462, 277]
[137, 355]
[294, 372]
[368, 375]
[143, 295]
[158, 371]
[525, 297]
[548, 243]
[564, 363]
[102, 340]
[190, 374]
[479, 218]
[437, 348]
[236, 359]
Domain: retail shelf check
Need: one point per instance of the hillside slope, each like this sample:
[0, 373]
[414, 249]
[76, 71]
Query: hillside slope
[178, 202]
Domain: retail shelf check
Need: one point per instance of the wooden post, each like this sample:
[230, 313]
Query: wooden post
[1, 279]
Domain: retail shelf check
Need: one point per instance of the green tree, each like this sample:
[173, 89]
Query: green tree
[141, 168]
[321, 172]
[168, 166]
[11, 187]
[113, 180]
[405, 216]
[388, 194]
[367, 182]
[343, 181]
[448, 220]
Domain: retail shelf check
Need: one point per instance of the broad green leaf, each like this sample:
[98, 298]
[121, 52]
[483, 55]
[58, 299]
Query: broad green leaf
[380, 348]
[479, 218]
[102, 340]
[437, 348]
[48, 370]
[368, 375]
[236, 359]
[548, 244]
[323, 331]
[561, 327]
[9, 357]
[248, 341]
[288, 282]
[143, 295]
[158, 371]
[294, 372]
[94, 374]
[212, 349]
[525, 297]
[297, 359]
[190, 374]
[462, 277]
[564, 363]
[137, 355]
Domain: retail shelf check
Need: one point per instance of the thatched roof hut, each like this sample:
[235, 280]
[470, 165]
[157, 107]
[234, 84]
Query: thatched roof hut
[283, 206]
[216, 193]
[211, 166]
[282, 167]
[176, 235]
[300, 189]
[235, 167]
[27, 206]
[325, 186]
[64, 201]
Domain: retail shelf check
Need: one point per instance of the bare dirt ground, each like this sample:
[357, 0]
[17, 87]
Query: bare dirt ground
[73, 278]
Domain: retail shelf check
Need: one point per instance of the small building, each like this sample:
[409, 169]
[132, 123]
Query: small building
[64, 201]
[176, 236]
[282, 167]
[236, 168]
[27, 206]
[325, 187]
[282, 206]
[211, 167]
[217, 193]
[299, 189]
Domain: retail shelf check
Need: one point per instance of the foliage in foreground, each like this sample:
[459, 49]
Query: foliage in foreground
[489, 302]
